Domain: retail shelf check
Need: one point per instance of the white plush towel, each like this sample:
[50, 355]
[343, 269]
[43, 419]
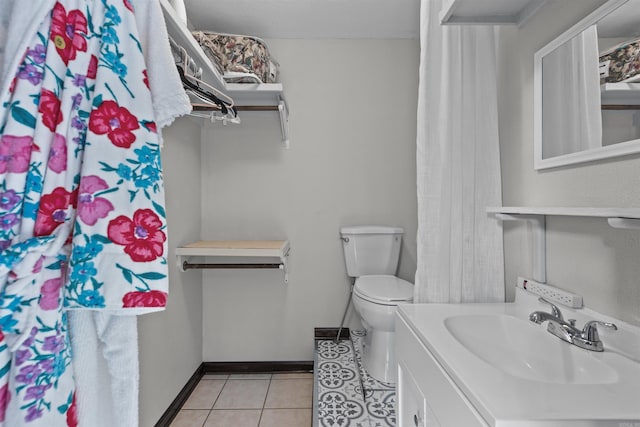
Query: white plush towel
[169, 98]
[105, 366]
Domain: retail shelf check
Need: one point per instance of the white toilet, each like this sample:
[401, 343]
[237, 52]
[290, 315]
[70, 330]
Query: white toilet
[371, 255]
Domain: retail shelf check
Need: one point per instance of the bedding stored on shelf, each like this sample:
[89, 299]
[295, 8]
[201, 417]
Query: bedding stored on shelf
[621, 63]
[239, 59]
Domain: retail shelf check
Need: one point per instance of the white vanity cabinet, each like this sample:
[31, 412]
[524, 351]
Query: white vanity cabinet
[427, 397]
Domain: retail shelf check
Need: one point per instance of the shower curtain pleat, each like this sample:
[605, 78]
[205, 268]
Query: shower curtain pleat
[460, 255]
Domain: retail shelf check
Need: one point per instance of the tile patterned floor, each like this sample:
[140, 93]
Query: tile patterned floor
[340, 391]
[346, 395]
[249, 400]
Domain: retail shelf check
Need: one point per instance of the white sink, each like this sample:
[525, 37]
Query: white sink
[514, 372]
[522, 349]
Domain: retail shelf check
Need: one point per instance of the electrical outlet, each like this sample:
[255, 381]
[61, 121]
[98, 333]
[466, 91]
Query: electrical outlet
[550, 293]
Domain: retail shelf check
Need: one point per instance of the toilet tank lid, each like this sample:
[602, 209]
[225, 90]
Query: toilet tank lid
[371, 229]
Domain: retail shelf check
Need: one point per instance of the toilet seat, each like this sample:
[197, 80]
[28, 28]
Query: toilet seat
[383, 289]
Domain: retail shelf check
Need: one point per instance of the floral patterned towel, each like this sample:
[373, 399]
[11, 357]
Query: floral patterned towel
[239, 54]
[82, 218]
[621, 63]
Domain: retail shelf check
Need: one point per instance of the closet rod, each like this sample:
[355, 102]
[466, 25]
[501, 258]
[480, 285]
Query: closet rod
[620, 107]
[206, 107]
[189, 266]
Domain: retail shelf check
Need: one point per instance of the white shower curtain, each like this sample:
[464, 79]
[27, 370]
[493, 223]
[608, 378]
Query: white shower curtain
[460, 255]
[572, 114]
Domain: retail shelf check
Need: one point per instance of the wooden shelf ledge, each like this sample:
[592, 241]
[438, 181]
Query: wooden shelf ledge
[218, 253]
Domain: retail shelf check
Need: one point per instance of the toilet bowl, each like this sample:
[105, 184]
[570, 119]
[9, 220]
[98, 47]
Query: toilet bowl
[375, 299]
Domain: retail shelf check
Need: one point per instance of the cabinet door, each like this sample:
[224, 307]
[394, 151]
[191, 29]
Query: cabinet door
[413, 409]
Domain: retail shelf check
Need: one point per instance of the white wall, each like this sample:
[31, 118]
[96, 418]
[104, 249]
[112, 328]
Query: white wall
[352, 161]
[584, 255]
[171, 340]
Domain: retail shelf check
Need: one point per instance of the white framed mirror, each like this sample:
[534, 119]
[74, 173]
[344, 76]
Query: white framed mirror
[587, 89]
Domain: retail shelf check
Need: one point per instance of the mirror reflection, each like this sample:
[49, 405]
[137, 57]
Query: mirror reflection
[590, 87]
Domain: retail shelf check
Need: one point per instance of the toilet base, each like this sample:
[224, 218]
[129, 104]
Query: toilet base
[379, 356]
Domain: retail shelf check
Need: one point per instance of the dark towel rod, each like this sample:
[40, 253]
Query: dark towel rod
[620, 107]
[206, 107]
[189, 266]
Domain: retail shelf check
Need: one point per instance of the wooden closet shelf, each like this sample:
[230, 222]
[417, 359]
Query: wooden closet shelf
[218, 253]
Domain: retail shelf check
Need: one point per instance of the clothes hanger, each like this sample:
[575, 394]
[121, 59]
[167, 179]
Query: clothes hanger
[226, 108]
[190, 75]
[181, 57]
[206, 88]
[192, 72]
[217, 109]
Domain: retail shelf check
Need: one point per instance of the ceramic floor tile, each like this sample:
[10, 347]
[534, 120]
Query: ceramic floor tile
[345, 395]
[336, 409]
[204, 395]
[381, 406]
[340, 352]
[243, 394]
[334, 375]
[233, 418]
[215, 376]
[286, 418]
[293, 393]
[292, 375]
[250, 376]
[342, 377]
[190, 418]
[340, 401]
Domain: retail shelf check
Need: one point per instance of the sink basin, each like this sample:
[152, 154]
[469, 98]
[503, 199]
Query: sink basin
[524, 350]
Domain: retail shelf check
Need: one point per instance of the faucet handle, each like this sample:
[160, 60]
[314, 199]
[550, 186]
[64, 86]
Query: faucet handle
[590, 330]
[554, 309]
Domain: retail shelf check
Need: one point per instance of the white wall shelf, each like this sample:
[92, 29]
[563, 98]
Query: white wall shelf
[488, 12]
[243, 95]
[620, 93]
[627, 213]
[627, 218]
[624, 218]
[235, 254]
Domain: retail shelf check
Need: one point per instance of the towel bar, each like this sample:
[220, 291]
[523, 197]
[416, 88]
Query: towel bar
[191, 266]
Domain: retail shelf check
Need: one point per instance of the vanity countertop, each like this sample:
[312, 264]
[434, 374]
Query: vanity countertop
[502, 379]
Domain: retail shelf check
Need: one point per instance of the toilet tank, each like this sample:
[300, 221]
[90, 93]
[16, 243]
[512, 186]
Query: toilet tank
[371, 249]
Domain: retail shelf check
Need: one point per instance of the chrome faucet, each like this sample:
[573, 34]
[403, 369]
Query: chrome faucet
[589, 338]
[555, 312]
[586, 338]
[556, 323]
